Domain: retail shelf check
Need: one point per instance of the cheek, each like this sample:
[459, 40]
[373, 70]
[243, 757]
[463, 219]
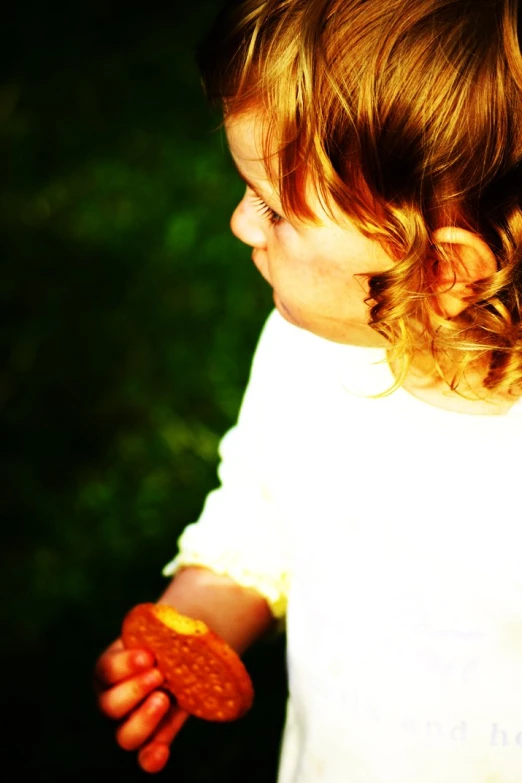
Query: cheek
[306, 278]
[314, 284]
[291, 263]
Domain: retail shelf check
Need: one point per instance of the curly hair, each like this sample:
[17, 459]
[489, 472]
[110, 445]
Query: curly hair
[402, 113]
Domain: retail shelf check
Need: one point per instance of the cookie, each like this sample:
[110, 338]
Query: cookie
[206, 676]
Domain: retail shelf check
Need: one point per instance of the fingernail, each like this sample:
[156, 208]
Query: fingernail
[154, 677]
[143, 660]
[157, 701]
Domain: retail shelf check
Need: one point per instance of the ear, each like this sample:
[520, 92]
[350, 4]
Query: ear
[467, 257]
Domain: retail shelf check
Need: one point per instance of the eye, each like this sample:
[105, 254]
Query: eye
[262, 207]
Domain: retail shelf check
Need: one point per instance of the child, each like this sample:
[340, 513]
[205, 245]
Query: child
[370, 490]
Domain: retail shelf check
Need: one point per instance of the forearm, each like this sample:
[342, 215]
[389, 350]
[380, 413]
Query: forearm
[239, 615]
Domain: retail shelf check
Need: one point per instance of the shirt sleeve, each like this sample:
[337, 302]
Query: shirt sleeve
[239, 532]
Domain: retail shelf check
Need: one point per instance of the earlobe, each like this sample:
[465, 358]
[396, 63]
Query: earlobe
[464, 258]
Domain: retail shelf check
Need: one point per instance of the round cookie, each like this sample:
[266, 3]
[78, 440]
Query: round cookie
[206, 676]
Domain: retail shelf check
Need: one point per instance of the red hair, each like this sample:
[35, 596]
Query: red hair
[399, 113]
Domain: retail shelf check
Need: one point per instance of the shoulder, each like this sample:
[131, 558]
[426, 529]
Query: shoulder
[299, 359]
[284, 346]
[278, 335]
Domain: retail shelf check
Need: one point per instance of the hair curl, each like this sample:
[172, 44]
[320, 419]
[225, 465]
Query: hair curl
[400, 112]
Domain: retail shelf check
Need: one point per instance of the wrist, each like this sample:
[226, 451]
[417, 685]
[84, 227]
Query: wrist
[237, 614]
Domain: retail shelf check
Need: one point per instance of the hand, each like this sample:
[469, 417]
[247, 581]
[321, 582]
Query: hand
[128, 685]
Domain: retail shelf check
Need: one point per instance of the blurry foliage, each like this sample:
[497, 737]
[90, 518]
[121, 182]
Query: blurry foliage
[129, 318]
[130, 314]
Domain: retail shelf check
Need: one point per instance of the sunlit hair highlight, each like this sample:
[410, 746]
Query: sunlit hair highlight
[406, 115]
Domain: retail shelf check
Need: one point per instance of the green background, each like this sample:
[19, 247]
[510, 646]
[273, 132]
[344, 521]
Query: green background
[129, 317]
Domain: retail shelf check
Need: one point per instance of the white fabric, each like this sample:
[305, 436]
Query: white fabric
[388, 533]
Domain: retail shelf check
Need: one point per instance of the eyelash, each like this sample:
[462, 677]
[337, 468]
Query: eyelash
[273, 218]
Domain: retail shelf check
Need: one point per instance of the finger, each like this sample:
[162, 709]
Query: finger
[153, 757]
[171, 725]
[121, 699]
[143, 722]
[116, 665]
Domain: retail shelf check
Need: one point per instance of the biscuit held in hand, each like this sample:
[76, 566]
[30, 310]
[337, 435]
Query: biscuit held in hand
[206, 676]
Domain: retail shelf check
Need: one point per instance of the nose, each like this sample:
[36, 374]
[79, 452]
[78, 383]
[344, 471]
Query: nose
[246, 225]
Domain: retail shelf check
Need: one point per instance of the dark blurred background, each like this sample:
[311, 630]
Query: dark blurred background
[129, 317]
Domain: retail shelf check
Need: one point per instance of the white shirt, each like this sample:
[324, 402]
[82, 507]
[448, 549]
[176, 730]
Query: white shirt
[387, 534]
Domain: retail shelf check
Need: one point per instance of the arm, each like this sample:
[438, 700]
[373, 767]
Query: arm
[130, 682]
[238, 614]
[238, 525]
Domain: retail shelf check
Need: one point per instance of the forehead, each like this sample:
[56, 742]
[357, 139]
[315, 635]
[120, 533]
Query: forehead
[246, 136]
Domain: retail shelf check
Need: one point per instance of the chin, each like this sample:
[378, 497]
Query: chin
[282, 310]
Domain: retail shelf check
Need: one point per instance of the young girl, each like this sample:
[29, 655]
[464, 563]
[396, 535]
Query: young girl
[369, 493]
